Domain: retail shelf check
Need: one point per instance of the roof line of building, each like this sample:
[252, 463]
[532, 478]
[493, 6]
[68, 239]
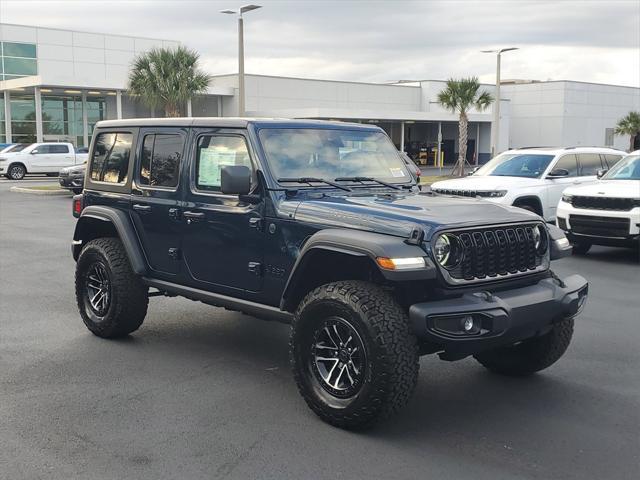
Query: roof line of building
[537, 82]
[314, 79]
[87, 31]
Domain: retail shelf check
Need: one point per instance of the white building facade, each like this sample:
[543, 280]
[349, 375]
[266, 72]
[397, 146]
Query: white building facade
[56, 84]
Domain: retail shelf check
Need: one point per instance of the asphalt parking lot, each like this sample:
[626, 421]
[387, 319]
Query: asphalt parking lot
[199, 392]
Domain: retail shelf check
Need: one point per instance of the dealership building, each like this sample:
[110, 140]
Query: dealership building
[56, 84]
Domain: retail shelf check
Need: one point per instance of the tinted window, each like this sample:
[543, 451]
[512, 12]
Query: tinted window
[590, 163]
[569, 163]
[110, 160]
[215, 152]
[611, 160]
[42, 149]
[58, 149]
[160, 161]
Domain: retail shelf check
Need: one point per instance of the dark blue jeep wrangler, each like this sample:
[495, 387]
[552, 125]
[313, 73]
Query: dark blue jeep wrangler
[320, 225]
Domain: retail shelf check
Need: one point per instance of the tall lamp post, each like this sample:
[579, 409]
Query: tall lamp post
[242, 10]
[495, 127]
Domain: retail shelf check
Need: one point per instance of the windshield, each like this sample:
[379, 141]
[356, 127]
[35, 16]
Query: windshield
[528, 165]
[626, 169]
[15, 148]
[332, 154]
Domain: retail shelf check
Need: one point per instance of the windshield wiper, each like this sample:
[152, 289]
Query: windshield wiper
[311, 180]
[368, 179]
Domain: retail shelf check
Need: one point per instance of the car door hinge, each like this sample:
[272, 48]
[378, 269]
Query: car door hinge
[255, 268]
[174, 253]
[255, 222]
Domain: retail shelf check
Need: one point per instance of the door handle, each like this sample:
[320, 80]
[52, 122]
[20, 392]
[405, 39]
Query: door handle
[193, 216]
[142, 208]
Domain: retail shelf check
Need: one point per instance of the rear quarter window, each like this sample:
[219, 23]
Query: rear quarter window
[110, 159]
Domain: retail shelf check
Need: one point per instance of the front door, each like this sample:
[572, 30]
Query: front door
[223, 236]
[155, 197]
[555, 186]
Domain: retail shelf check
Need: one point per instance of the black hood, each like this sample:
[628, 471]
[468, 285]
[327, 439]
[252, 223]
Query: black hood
[399, 213]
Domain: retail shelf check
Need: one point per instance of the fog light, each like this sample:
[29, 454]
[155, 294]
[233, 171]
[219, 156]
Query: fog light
[468, 323]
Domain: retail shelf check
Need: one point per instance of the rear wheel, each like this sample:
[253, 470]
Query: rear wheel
[531, 355]
[353, 356]
[16, 171]
[111, 298]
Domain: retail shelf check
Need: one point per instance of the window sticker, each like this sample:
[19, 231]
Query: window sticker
[212, 160]
[396, 172]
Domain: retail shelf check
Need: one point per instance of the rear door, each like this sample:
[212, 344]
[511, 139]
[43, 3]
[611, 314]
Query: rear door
[155, 197]
[61, 156]
[223, 235]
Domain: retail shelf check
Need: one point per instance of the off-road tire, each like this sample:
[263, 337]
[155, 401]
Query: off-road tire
[16, 171]
[581, 248]
[129, 298]
[391, 366]
[530, 356]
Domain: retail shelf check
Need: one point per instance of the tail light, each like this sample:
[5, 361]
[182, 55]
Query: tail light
[77, 205]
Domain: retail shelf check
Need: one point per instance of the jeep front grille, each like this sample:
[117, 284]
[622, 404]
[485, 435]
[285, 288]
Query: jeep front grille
[604, 203]
[494, 253]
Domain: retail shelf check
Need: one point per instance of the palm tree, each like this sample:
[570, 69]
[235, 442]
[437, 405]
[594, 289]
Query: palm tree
[458, 97]
[629, 125]
[167, 78]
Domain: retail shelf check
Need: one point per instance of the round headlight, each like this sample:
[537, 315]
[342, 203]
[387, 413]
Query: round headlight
[447, 251]
[539, 239]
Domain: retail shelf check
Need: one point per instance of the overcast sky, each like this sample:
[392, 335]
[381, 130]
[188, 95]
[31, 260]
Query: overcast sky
[377, 41]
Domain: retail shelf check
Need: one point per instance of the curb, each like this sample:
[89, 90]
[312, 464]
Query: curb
[32, 191]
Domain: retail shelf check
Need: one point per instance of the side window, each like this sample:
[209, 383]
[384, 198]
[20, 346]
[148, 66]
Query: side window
[215, 152]
[590, 163]
[110, 160]
[611, 160]
[160, 160]
[569, 163]
[43, 149]
[58, 149]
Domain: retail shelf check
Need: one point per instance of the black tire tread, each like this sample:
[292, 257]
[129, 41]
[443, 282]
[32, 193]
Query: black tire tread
[130, 295]
[531, 355]
[399, 359]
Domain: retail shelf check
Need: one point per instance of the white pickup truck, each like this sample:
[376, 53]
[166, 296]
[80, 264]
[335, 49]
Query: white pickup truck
[47, 158]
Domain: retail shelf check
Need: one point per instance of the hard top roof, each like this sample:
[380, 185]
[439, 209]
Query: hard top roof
[231, 122]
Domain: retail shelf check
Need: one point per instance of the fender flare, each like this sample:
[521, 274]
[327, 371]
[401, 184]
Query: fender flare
[358, 243]
[530, 198]
[122, 225]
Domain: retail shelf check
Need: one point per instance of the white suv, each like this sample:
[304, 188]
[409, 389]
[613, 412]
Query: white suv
[532, 178]
[606, 212]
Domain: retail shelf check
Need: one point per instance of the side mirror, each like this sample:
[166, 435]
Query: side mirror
[473, 171]
[601, 172]
[558, 173]
[235, 180]
[33, 152]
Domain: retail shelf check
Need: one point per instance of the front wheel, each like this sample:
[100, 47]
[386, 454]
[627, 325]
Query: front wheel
[16, 171]
[531, 355]
[581, 248]
[353, 356]
[111, 298]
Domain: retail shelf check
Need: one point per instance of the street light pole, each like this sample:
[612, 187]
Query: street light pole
[241, 93]
[495, 124]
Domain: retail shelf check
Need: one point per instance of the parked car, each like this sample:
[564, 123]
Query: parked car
[47, 158]
[268, 217]
[606, 212]
[72, 178]
[532, 178]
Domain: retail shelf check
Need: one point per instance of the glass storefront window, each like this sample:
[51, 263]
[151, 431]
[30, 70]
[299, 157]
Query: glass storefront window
[23, 119]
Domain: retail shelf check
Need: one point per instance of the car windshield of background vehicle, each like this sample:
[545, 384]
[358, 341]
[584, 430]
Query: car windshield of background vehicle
[15, 148]
[527, 165]
[330, 154]
[626, 169]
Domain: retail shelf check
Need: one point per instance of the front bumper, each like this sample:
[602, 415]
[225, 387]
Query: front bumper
[71, 182]
[497, 319]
